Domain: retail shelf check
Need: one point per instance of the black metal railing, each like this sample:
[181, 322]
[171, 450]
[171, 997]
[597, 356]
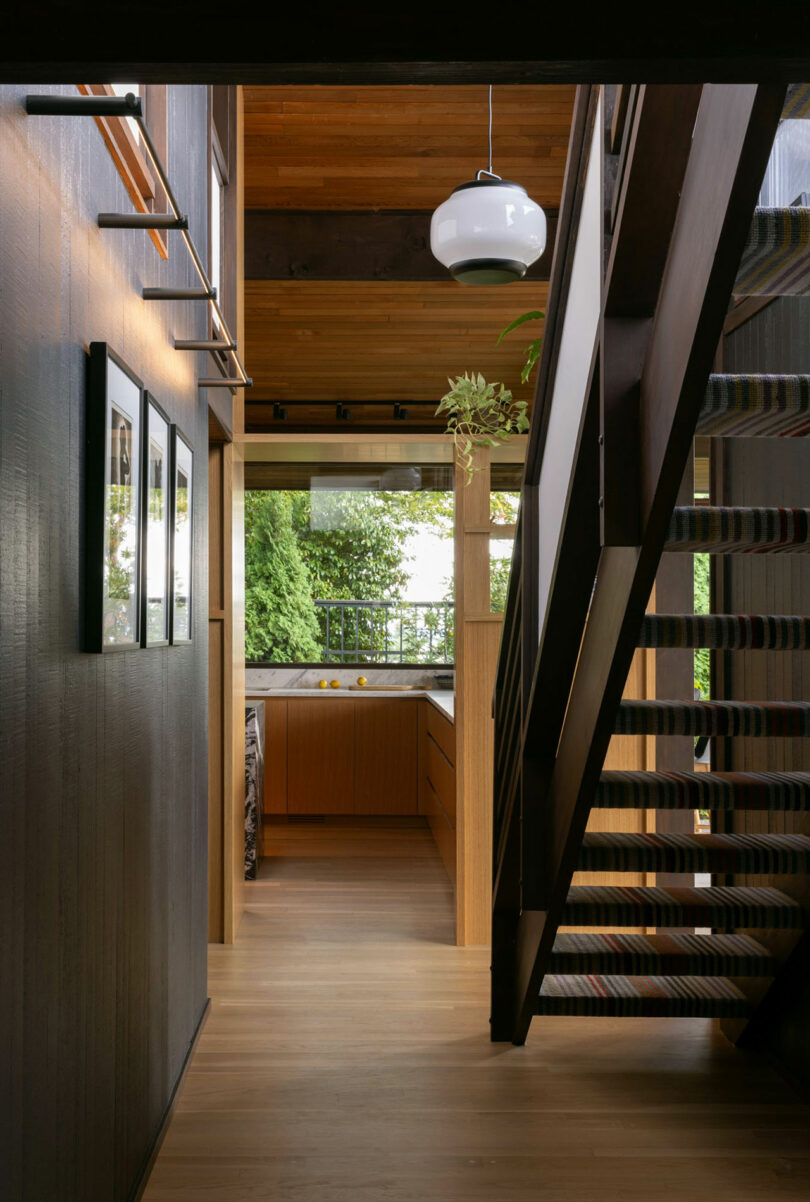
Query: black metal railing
[393, 632]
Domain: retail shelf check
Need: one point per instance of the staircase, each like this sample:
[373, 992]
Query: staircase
[647, 396]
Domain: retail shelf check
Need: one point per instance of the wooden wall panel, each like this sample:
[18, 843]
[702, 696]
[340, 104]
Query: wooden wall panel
[104, 797]
[360, 341]
[399, 147]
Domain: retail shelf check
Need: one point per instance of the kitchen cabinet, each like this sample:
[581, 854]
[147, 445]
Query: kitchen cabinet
[335, 755]
[386, 775]
[320, 757]
[437, 783]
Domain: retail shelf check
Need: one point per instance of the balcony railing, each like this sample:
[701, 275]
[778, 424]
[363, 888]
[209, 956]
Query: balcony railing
[393, 632]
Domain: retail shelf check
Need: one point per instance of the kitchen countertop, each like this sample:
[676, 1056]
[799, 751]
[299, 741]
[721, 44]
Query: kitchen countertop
[442, 699]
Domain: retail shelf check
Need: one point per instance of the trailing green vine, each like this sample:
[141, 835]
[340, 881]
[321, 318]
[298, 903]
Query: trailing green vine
[534, 349]
[480, 415]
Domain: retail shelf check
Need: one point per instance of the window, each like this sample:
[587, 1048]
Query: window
[352, 565]
[223, 201]
[122, 138]
[788, 174]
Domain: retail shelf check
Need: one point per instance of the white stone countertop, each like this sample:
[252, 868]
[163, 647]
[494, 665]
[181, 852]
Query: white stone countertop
[443, 699]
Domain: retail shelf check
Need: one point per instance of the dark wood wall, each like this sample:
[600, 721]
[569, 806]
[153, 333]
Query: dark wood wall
[104, 779]
[749, 471]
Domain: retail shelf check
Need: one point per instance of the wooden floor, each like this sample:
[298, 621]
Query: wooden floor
[347, 1059]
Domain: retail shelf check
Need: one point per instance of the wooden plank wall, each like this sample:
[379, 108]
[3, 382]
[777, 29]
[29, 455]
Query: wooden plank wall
[103, 799]
[750, 471]
[226, 687]
[478, 632]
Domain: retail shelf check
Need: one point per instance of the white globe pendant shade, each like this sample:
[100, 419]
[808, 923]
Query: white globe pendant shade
[488, 231]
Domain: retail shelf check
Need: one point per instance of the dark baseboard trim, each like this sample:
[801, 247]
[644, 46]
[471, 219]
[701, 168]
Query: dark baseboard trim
[136, 1193]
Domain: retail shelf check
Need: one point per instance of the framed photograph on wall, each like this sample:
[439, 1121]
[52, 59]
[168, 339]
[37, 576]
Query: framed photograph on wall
[181, 534]
[156, 591]
[113, 500]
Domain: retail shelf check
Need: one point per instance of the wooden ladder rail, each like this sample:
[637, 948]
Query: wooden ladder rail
[694, 163]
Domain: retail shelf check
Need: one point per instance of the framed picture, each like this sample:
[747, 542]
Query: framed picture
[181, 552]
[113, 498]
[155, 528]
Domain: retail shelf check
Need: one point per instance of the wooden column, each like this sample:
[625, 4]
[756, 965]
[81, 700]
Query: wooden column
[226, 688]
[478, 633]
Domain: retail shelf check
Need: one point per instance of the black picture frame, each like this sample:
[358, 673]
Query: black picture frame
[182, 538]
[156, 517]
[113, 484]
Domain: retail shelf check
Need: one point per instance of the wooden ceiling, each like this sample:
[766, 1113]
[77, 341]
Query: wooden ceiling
[342, 150]
[398, 148]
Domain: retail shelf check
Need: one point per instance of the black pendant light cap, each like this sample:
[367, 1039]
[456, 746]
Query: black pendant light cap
[488, 271]
[488, 183]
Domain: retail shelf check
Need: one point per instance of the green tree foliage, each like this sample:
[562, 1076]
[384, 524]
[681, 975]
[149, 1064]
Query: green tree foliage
[352, 542]
[333, 545]
[281, 625]
[702, 606]
[498, 583]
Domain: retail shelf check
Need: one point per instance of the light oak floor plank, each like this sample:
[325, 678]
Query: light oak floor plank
[347, 1059]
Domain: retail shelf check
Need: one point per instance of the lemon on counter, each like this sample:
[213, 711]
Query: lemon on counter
[335, 684]
[362, 680]
[322, 684]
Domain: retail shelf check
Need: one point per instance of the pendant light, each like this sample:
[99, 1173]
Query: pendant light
[489, 230]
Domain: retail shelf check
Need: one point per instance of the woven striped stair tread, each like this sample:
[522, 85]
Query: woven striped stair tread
[776, 259]
[739, 530]
[797, 102]
[646, 906]
[630, 852]
[758, 719]
[777, 791]
[642, 997]
[756, 632]
[661, 955]
[756, 406]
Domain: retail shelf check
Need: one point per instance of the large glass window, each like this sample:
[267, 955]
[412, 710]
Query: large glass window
[354, 568]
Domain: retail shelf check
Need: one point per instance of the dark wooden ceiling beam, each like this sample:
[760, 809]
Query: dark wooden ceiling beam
[325, 245]
[729, 40]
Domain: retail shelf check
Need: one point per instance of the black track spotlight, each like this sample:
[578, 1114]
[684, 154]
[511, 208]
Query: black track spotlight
[279, 414]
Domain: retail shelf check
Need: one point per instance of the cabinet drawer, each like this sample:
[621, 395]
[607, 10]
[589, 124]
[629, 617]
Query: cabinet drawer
[442, 731]
[441, 777]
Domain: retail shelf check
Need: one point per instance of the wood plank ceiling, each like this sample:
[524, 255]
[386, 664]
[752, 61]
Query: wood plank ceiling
[344, 302]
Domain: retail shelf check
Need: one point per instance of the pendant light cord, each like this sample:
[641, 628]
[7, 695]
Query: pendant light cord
[490, 172]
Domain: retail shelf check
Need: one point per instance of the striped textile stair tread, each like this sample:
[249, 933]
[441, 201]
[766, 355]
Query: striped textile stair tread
[776, 259]
[660, 955]
[740, 530]
[787, 792]
[649, 906]
[797, 102]
[758, 719]
[729, 632]
[658, 852]
[756, 406]
[642, 997]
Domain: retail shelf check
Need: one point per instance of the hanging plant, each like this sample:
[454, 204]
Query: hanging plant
[534, 348]
[480, 415]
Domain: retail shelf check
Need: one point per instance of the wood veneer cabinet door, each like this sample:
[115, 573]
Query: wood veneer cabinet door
[275, 757]
[387, 771]
[320, 756]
